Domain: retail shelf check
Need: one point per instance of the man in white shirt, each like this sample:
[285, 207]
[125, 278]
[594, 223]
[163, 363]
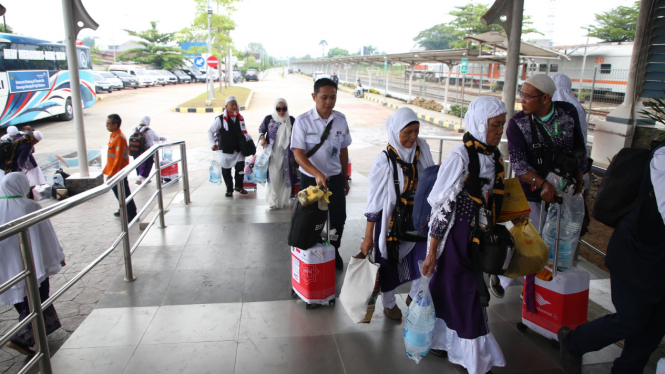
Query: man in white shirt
[328, 165]
[636, 259]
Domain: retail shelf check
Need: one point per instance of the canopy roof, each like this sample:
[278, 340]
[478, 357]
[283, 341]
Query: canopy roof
[495, 40]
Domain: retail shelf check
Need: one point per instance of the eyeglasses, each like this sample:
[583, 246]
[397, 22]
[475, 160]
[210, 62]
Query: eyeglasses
[527, 96]
[281, 109]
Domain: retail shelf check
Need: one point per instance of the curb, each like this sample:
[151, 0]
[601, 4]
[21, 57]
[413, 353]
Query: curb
[426, 118]
[212, 109]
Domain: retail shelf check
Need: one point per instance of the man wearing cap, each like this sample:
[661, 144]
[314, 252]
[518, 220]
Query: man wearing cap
[11, 134]
[224, 136]
[150, 137]
[561, 121]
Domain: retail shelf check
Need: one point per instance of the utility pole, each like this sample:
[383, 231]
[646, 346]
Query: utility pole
[209, 84]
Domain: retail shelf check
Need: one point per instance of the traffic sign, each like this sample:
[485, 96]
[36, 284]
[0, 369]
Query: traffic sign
[199, 61]
[465, 64]
[213, 61]
[385, 64]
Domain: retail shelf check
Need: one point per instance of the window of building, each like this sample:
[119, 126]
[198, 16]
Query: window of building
[554, 68]
[605, 68]
[543, 68]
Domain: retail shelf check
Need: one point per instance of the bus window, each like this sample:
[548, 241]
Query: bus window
[9, 57]
[605, 68]
[31, 57]
[61, 57]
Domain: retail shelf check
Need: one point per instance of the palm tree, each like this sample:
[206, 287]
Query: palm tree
[154, 49]
[323, 45]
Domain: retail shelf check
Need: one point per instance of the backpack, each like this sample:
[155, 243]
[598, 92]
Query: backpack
[618, 192]
[421, 208]
[5, 152]
[137, 142]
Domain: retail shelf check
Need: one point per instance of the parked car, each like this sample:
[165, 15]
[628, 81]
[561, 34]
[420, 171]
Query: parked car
[290, 71]
[316, 74]
[159, 78]
[128, 80]
[101, 84]
[170, 78]
[182, 76]
[115, 82]
[237, 76]
[142, 76]
[251, 75]
[316, 78]
[196, 75]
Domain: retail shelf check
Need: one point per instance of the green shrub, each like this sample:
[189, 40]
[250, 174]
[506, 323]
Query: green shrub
[371, 90]
[494, 86]
[455, 110]
[584, 94]
[427, 104]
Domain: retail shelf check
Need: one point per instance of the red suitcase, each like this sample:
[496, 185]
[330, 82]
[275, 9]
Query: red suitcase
[246, 185]
[313, 273]
[562, 301]
[349, 170]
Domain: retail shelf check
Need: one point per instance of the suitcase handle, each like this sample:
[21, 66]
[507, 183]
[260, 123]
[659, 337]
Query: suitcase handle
[559, 201]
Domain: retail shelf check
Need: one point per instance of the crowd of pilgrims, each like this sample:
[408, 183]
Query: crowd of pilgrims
[470, 178]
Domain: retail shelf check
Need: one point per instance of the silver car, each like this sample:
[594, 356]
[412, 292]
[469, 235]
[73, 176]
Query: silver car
[116, 83]
[159, 78]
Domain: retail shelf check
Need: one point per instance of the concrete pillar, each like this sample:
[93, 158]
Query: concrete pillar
[513, 60]
[445, 95]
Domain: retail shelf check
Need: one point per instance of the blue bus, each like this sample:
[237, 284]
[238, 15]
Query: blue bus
[34, 80]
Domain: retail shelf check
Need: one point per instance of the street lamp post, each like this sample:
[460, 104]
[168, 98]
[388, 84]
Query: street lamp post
[209, 85]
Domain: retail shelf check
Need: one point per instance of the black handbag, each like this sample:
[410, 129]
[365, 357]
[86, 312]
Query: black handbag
[497, 246]
[307, 223]
[403, 228]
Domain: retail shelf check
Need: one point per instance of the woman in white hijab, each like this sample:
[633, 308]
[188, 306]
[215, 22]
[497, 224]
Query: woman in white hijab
[398, 257]
[275, 130]
[467, 184]
[565, 93]
[46, 251]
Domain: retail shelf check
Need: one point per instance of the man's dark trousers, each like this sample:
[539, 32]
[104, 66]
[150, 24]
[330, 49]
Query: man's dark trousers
[239, 176]
[639, 319]
[131, 207]
[337, 206]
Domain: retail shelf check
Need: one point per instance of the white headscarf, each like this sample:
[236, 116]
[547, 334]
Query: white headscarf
[565, 93]
[280, 183]
[453, 171]
[145, 120]
[12, 131]
[46, 249]
[381, 195]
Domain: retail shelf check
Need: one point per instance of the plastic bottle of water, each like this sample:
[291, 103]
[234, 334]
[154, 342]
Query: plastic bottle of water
[419, 326]
[57, 179]
[215, 172]
[571, 220]
[167, 154]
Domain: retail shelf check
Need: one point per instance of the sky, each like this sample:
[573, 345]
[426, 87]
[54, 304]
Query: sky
[295, 27]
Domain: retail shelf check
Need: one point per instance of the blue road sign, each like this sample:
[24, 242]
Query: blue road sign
[199, 61]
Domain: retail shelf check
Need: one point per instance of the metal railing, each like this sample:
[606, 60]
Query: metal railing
[21, 225]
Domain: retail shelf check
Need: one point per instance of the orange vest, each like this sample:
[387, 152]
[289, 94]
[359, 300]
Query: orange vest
[118, 154]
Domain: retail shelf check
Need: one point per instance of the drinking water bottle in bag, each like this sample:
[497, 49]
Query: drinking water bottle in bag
[419, 325]
[215, 171]
[167, 154]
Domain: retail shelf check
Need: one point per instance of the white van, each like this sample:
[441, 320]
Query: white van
[317, 74]
[145, 79]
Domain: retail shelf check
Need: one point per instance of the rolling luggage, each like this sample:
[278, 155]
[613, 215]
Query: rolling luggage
[313, 273]
[562, 301]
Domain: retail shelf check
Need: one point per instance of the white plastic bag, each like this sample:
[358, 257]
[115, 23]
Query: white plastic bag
[661, 366]
[419, 325]
[357, 291]
[572, 216]
[215, 168]
[261, 165]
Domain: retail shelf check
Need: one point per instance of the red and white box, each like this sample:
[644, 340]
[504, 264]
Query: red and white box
[170, 172]
[563, 301]
[313, 273]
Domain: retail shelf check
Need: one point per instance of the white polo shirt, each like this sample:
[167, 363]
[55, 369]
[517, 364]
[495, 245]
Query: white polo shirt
[306, 134]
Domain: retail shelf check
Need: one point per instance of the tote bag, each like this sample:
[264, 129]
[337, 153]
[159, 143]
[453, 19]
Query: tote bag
[361, 288]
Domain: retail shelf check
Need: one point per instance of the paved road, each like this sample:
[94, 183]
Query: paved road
[87, 230]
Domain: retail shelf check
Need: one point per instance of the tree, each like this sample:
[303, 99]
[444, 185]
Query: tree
[191, 35]
[437, 37]
[89, 42]
[369, 50]
[323, 45]
[7, 29]
[155, 50]
[94, 53]
[337, 52]
[616, 25]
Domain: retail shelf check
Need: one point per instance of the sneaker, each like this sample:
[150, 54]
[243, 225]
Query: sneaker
[393, 313]
[139, 180]
[116, 214]
[20, 348]
[495, 287]
[571, 363]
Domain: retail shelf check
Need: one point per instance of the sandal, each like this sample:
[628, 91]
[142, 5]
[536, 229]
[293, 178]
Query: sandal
[242, 191]
[229, 194]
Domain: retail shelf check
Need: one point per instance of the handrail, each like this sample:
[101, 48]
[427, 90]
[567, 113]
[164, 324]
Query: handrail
[21, 225]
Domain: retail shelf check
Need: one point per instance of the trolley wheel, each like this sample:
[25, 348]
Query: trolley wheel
[521, 326]
[555, 344]
[309, 306]
[331, 302]
[294, 294]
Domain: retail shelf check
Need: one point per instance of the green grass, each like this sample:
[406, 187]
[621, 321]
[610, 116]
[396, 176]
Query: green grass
[241, 94]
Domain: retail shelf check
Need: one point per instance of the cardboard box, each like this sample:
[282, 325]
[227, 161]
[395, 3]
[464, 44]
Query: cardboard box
[515, 204]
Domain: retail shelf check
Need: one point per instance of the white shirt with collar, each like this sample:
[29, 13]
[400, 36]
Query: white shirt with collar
[306, 134]
[658, 179]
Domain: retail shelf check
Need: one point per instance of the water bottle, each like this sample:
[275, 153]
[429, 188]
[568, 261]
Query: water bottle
[58, 179]
[215, 171]
[167, 154]
[572, 214]
[419, 325]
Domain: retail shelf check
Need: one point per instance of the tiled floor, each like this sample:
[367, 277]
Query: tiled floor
[212, 295]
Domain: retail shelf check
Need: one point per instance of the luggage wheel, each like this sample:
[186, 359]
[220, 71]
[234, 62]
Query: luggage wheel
[331, 302]
[293, 294]
[555, 344]
[309, 306]
[521, 326]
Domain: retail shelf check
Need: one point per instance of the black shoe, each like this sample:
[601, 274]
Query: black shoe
[130, 219]
[339, 263]
[439, 352]
[571, 364]
[116, 214]
[495, 287]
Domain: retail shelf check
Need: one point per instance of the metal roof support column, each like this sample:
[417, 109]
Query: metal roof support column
[357, 70]
[445, 95]
[410, 80]
[385, 99]
[369, 85]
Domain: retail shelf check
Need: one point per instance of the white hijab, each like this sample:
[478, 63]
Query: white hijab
[279, 188]
[46, 249]
[283, 132]
[381, 195]
[565, 93]
[453, 171]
